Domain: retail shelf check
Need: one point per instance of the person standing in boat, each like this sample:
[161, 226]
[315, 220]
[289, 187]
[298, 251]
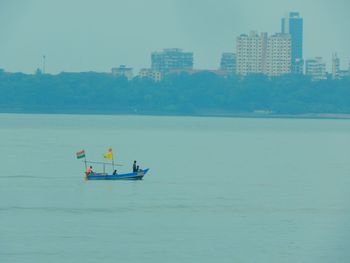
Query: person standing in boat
[134, 167]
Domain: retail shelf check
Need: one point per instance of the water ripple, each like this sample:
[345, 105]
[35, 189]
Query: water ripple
[190, 208]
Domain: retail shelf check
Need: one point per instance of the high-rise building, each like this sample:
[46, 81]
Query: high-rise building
[249, 52]
[316, 68]
[123, 71]
[335, 66]
[228, 63]
[261, 54]
[293, 24]
[278, 55]
[172, 59]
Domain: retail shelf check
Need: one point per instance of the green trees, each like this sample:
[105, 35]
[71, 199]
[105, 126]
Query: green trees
[201, 93]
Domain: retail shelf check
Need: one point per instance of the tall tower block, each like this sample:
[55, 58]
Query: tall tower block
[293, 24]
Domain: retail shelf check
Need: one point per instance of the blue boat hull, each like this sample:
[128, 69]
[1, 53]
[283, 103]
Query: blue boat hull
[129, 176]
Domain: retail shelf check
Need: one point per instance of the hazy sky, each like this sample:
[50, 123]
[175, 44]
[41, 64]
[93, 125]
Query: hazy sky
[84, 35]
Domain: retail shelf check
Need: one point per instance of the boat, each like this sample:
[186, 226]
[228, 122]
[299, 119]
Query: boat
[90, 175]
[128, 176]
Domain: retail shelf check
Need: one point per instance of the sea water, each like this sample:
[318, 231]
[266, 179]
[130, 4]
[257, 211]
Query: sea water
[218, 190]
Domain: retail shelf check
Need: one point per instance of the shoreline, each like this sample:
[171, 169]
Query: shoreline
[329, 116]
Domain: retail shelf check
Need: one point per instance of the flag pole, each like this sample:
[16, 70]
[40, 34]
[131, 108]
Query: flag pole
[112, 160]
[85, 163]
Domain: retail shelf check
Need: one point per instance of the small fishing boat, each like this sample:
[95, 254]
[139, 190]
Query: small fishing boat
[91, 175]
[129, 176]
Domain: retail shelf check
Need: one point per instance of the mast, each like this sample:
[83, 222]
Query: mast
[85, 163]
[113, 161]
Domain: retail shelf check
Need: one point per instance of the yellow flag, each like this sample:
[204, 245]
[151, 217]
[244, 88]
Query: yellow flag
[109, 154]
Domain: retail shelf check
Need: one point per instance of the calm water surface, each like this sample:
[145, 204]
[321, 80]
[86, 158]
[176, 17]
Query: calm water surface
[219, 190]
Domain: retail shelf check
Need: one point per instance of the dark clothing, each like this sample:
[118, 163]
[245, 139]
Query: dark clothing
[134, 169]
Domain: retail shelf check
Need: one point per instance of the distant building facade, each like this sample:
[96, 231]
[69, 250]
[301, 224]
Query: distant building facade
[228, 63]
[219, 72]
[171, 59]
[343, 74]
[293, 24]
[316, 68]
[278, 55]
[335, 66]
[249, 52]
[261, 54]
[149, 73]
[123, 71]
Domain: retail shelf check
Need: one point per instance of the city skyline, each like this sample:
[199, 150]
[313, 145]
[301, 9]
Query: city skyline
[99, 42]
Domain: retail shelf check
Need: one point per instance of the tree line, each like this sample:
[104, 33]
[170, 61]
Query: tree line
[185, 94]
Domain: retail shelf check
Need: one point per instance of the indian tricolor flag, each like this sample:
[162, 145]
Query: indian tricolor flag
[81, 154]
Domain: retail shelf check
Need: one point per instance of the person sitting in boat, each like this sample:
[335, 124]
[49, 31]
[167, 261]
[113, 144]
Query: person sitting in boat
[134, 167]
[89, 171]
[115, 172]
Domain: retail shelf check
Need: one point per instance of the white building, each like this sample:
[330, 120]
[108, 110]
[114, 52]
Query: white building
[263, 54]
[123, 71]
[316, 68]
[249, 52]
[278, 55]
